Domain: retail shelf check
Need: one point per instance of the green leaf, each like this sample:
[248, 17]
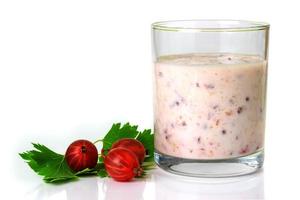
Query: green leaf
[52, 166]
[147, 139]
[87, 172]
[102, 173]
[101, 170]
[118, 132]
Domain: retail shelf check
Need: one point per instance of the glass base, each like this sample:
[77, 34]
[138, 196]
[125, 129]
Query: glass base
[211, 168]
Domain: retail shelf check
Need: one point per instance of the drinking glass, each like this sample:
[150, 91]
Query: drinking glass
[210, 96]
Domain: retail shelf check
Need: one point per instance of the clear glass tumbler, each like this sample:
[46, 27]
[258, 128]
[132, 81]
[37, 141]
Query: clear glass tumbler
[210, 96]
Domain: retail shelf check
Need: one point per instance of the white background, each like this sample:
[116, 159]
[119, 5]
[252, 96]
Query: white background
[69, 69]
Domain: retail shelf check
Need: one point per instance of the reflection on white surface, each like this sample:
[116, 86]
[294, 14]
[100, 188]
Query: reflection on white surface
[86, 188]
[91, 188]
[174, 187]
[83, 189]
[123, 190]
[159, 186]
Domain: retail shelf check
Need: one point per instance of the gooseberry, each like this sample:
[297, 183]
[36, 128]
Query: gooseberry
[81, 154]
[133, 145]
[122, 164]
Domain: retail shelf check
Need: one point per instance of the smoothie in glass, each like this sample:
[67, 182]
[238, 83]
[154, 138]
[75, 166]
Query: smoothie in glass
[209, 106]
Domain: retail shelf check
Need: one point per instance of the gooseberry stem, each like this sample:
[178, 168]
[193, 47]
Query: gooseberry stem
[100, 140]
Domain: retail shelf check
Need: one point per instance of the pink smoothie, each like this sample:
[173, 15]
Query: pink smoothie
[209, 106]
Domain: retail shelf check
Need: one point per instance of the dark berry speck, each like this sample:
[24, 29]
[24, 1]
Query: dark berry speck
[199, 140]
[209, 86]
[215, 107]
[239, 110]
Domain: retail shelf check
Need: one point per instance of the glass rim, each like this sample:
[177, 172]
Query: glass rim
[230, 25]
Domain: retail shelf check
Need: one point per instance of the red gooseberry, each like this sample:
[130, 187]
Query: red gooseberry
[133, 145]
[81, 154]
[122, 164]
